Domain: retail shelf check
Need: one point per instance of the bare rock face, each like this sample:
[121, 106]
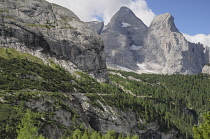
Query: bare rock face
[101, 117]
[123, 37]
[207, 54]
[161, 48]
[96, 26]
[48, 30]
[165, 46]
[206, 69]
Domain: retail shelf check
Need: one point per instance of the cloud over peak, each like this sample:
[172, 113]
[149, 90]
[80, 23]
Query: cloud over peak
[204, 39]
[89, 10]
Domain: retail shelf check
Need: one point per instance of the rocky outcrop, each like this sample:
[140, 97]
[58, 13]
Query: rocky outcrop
[206, 69]
[77, 110]
[207, 54]
[51, 31]
[123, 37]
[165, 46]
[96, 26]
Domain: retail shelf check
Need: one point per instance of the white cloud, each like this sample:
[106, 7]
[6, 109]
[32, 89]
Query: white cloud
[142, 11]
[204, 39]
[88, 10]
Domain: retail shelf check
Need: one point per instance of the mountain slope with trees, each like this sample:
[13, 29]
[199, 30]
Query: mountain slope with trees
[58, 104]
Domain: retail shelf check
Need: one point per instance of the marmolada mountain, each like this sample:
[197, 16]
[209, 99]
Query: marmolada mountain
[62, 78]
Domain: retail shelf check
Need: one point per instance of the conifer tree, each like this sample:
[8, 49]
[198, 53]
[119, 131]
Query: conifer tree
[203, 131]
[27, 128]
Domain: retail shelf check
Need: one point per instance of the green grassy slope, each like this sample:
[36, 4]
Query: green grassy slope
[173, 101]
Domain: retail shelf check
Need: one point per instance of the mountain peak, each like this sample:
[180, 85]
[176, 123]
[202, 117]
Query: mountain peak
[126, 15]
[164, 18]
[164, 21]
[124, 8]
[123, 37]
[165, 15]
[124, 12]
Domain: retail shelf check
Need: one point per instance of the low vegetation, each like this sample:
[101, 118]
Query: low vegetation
[173, 101]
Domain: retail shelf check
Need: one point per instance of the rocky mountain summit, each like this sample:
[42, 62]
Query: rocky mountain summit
[50, 31]
[159, 48]
[123, 37]
[166, 47]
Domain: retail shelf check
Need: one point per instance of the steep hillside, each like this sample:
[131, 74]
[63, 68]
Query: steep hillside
[180, 99]
[50, 31]
[60, 104]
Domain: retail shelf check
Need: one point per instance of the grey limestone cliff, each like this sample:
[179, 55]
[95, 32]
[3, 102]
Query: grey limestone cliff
[165, 46]
[207, 54]
[51, 31]
[206, 69]
[161, 48]
[97, 26]
[123, 37]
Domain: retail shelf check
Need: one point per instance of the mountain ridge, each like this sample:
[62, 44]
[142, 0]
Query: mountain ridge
[49, 96]
[159, 44]
[167, 47]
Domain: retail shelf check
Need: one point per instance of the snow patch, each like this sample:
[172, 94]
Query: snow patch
[134, 47]
[148, 68]
[124, 25]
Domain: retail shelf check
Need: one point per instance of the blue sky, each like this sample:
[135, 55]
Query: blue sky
[191, 16]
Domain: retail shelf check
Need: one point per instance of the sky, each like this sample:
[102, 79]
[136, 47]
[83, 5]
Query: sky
[192, 17]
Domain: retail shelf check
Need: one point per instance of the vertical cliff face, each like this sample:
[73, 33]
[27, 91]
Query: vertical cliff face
[165, 45]
[97, 26]
[207, 54]
[161, 48]
[123, 37]
[206, 68]
[50, 31]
